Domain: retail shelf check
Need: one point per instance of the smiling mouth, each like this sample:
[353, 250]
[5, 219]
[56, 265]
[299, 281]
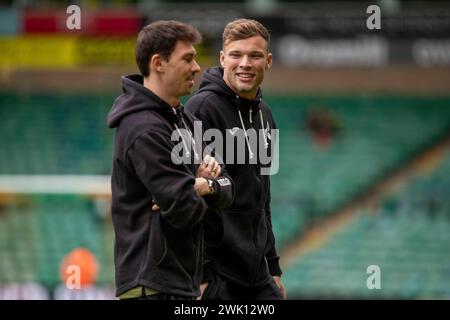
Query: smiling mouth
[245, 76]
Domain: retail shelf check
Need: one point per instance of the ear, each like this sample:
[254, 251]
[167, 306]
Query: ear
[269, 61]
[222, 58]
[156, 63]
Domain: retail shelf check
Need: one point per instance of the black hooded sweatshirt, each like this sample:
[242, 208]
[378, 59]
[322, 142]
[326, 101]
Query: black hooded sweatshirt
[160, 250]
[240, 244]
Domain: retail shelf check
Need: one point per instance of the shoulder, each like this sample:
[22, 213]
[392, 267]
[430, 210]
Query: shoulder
[142, 124]
[191, 116]
[267, 112]
[205, 102]
[265, 107]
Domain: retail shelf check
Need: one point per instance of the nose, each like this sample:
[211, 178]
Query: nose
[245, 62]
[196, 67]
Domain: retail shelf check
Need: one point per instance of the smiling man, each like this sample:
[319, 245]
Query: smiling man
[158, 205]
[241, 259]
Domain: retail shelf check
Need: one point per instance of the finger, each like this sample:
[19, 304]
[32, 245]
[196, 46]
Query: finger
[218, 171]
[215, 167]
[203, 287]
[211, 163]
[155, 207]
[206, 160]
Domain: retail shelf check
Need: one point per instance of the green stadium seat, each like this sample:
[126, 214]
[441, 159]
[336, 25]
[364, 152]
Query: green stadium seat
[411, 246]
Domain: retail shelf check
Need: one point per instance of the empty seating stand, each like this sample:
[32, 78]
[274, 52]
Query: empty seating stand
[408, 238]
[374, 136]
[37, 232]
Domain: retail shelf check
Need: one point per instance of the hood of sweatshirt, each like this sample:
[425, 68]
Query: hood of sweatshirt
[135, 98]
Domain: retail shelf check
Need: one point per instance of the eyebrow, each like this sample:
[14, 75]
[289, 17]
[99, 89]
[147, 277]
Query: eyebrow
[251, 52]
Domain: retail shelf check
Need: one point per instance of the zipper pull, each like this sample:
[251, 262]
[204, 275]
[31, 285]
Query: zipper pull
[250, 115]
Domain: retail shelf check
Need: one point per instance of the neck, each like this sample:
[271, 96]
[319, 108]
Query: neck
[245, 95]
[157, 88]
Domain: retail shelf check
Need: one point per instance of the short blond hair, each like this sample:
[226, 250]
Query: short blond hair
[241, 29]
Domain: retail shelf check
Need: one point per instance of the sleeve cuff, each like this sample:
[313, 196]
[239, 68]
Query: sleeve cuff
[274, 266]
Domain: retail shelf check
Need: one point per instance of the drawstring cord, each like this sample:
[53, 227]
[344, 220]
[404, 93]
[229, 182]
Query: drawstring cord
[246, 136]
[266, 144]
[184, 143]
[190, 136]
[192, 139]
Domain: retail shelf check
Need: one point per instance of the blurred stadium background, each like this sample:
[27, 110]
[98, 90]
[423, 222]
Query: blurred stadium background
[364, 119]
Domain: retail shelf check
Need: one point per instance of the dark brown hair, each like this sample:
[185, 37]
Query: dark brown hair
[161, 37]
[242, 29]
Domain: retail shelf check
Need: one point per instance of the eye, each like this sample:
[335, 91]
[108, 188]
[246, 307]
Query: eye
[235, 54]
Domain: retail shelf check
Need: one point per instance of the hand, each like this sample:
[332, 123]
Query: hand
[209, 168]
[280, 286]
[155, 207]
[201, 186]
[203, 287]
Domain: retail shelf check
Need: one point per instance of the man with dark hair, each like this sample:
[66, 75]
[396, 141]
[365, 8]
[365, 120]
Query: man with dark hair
[160, 197]
[241, 260]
